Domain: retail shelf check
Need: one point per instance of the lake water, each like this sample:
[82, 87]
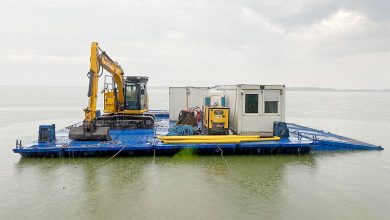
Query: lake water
[344, 185]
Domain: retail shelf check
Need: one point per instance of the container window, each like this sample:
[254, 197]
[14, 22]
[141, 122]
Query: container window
[271, 107]
[251, 103]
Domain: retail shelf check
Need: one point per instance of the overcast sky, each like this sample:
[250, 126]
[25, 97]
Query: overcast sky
[321, 43]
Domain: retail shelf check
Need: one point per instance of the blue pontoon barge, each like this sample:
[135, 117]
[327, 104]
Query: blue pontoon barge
[302, 140]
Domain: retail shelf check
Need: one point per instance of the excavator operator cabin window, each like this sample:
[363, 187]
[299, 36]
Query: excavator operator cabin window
[131, 93]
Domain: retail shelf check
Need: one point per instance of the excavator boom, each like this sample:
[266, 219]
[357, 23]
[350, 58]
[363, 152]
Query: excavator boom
[116, 71]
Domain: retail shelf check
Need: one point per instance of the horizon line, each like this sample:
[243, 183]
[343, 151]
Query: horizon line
[291, 88]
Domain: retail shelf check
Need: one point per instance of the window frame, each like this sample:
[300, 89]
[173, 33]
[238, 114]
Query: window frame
[135, 91]
[258, 103]
[271, 114]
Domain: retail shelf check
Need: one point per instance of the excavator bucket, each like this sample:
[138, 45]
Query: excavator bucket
[98, 134]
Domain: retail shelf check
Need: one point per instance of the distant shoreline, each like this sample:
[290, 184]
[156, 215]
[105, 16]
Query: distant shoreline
[317, 89]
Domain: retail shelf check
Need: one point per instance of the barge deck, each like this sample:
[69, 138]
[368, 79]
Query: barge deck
[302, 140]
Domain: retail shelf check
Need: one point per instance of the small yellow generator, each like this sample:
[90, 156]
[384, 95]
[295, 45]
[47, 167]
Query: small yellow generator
[216, 120]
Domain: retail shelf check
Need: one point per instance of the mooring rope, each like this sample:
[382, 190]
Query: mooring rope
[223, 157]
[104, 162]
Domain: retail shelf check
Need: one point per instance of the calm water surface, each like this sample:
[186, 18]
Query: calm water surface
[349, 185]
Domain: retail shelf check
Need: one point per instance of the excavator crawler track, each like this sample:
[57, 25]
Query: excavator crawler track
[122, 121]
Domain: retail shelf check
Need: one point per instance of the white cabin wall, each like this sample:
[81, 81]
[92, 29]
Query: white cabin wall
[184, 98]
[177, 101]
[283, 105]
[196, 96]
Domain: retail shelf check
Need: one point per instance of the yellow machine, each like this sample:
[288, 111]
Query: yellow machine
[216, 119]
[125, 100]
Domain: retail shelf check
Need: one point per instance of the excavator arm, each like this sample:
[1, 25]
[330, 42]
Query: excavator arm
[99, 59]
[93, 75]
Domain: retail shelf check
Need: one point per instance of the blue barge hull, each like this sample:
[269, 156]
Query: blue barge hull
[302, 140]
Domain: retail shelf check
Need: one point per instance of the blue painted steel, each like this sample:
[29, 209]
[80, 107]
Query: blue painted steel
[326, 141]
[280, 129]
[207, 101]
[46, 133]
[144, 142]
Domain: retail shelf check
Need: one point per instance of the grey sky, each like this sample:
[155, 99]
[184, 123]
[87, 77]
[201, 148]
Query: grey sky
[324, 43]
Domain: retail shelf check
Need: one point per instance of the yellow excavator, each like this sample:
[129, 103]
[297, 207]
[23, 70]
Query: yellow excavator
[125, 100]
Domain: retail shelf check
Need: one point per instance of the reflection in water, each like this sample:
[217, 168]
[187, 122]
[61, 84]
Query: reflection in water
[238, 185]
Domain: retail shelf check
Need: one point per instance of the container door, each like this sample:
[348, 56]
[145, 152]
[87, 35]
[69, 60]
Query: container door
[271, 108]
[251, 112]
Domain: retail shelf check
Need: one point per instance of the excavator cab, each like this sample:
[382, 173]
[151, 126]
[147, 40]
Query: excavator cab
[136, 97]
[132, 112]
